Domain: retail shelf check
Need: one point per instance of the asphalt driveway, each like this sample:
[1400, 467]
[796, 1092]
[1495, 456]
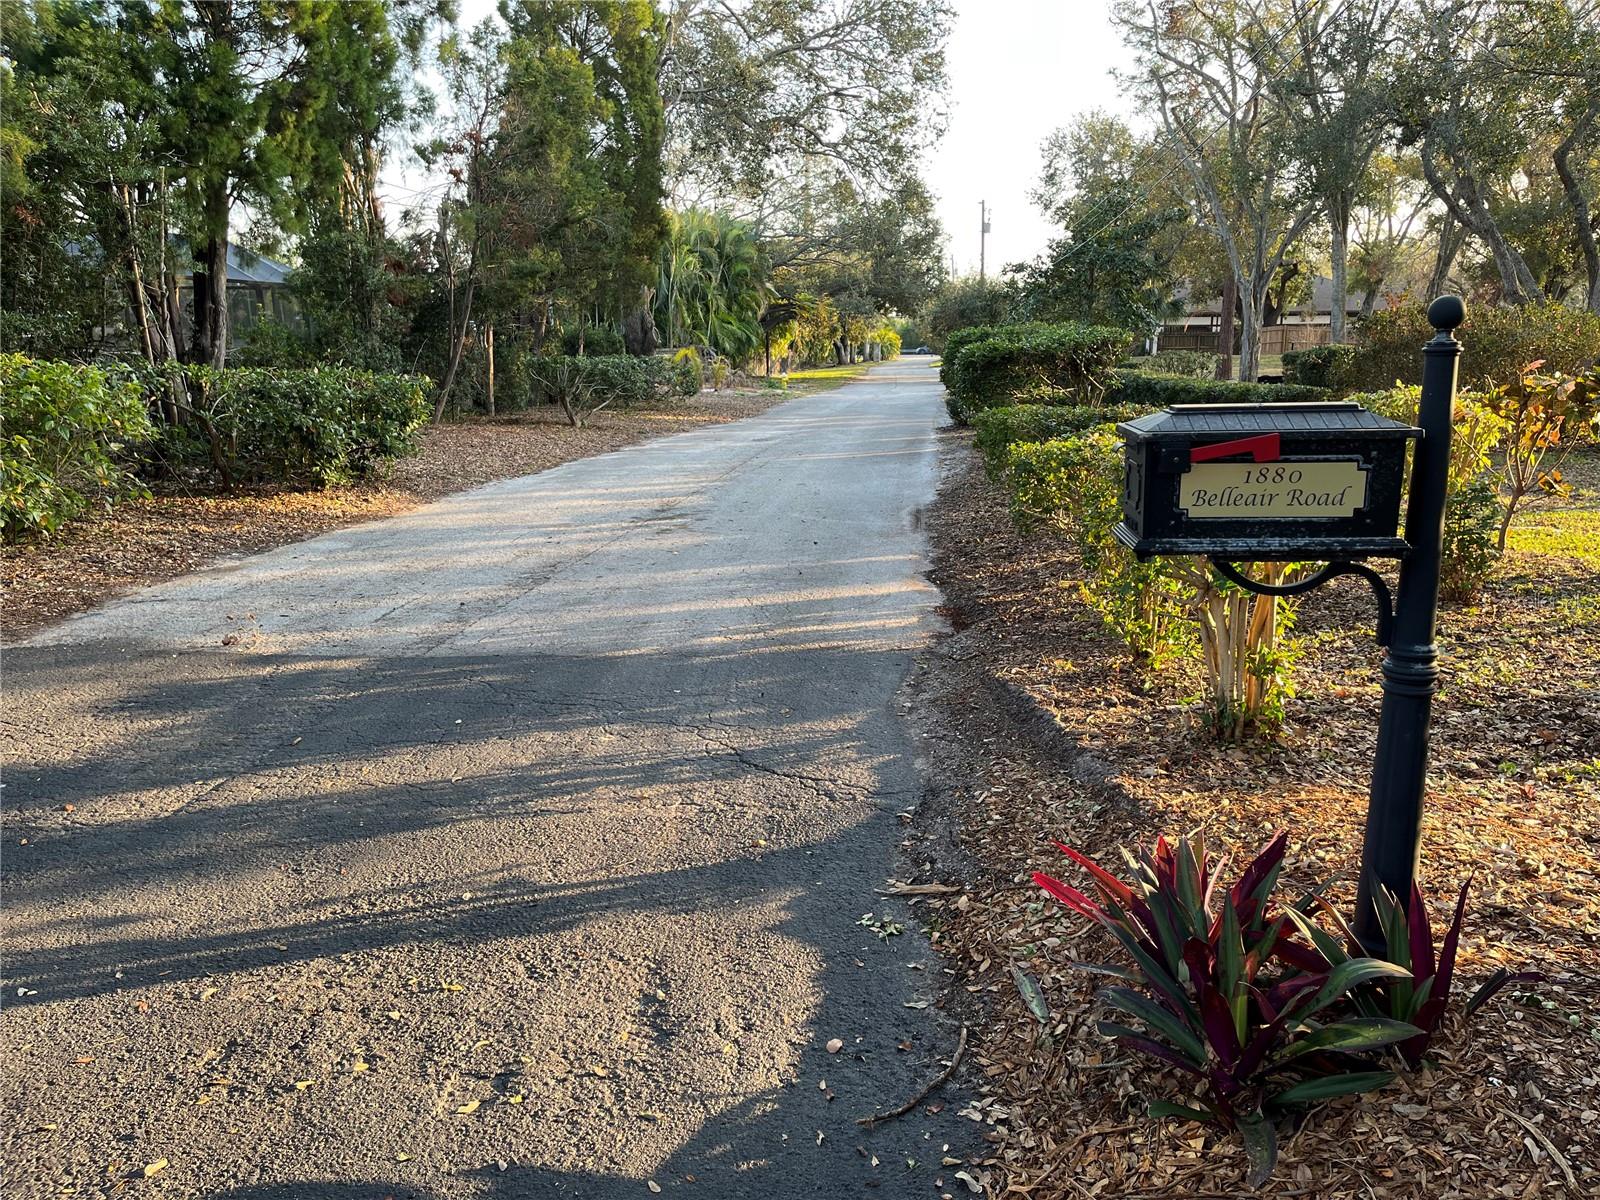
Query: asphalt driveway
[515, 847]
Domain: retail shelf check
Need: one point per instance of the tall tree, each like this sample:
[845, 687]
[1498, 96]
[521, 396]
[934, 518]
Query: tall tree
[1123, 229]
[1467, 122]
[757, 87]
[806, 119]
[623, 43]
[1205, 70]
[1330, 72]
[263, 99]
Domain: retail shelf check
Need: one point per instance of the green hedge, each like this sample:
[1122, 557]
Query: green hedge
[958, 341]
[998, 429]
[1027, 362]
[318, 425]
[1149, 390]
[1497, 344]
[1074, 485]
[68, 433]
[1196, 364]
[1319, 366]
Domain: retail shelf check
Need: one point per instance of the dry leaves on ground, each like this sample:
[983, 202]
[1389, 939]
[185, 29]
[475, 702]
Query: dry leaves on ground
[171, 534]
[1042, 728]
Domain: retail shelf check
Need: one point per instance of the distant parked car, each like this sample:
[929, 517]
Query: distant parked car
[922, 350]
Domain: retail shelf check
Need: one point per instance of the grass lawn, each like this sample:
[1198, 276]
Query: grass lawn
[824, 379]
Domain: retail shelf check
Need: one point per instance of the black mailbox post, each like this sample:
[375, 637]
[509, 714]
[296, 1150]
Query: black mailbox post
[1322, 483]
[1264, 482]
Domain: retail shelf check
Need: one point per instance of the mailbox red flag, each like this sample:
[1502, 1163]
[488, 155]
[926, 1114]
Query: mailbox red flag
[1262, 448]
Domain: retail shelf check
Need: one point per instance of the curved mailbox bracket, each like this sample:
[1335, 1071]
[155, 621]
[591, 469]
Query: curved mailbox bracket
[1332, 570]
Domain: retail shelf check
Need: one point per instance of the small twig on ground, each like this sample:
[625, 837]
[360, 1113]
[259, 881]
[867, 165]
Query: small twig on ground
[1549, 1147]
[943, 1078]
[896, 888]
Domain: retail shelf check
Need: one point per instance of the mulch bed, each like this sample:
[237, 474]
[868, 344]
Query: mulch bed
[173, 533]
[1041, 727]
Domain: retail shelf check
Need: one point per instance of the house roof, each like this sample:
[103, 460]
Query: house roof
[244, 266]
[249, 267]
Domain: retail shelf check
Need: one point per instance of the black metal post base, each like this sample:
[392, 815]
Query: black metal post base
[1390, 852]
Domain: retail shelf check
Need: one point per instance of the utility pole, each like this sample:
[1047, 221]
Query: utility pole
[983, 235]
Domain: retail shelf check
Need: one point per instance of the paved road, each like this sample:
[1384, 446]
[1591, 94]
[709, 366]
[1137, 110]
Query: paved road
[515, 847]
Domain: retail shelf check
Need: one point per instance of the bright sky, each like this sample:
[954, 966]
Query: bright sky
[1018, 70]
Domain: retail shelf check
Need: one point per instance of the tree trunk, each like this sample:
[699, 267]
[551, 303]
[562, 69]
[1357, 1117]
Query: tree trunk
[460, 346]
[209, 346]
[639, 333]
[1230, 299]
[1517, 283]
[1339, 222]
[488, 347]
[136, 289]
[1579, 203]
[1250, 330]
[1452, 236]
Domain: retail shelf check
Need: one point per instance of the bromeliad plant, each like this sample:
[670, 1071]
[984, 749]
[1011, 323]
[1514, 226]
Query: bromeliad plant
[1222, 991]
[1421, 996]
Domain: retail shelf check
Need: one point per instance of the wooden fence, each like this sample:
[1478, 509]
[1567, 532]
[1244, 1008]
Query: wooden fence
[1275, 339]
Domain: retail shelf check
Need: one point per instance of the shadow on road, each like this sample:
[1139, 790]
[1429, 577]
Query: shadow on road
[323, 828]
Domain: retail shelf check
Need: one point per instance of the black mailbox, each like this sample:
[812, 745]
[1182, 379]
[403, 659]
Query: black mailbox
[1264, 482]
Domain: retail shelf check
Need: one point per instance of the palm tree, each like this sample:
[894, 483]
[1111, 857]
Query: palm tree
[712, 285]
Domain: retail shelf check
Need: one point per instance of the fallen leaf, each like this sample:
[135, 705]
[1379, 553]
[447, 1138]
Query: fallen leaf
[301, 1085]
[471, 1106]
[154, 1168]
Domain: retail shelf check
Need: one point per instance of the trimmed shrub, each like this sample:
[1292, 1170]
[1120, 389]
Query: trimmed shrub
[1319, 366]
[610, 380]
[596, 341]
[1473, 508]
[1167, 607]
[1191, 364]
[1497, 344]
[1152, 391]
[66, 433]
[998, 429]
[1075, 485]
[320, 425]
[1026, 362]
[958, 341]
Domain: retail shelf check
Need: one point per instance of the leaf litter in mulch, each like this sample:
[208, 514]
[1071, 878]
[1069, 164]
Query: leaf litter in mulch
[1041, 727]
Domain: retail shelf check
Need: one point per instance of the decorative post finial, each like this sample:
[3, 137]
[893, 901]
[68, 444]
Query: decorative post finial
[1446, 313]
